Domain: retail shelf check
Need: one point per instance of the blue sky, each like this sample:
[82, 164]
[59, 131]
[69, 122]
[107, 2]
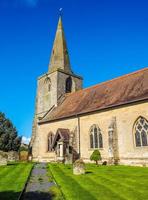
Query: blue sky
[106, 39]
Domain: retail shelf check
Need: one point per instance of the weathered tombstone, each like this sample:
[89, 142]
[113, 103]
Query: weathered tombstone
[23, 155]
[79, 167]
[3, 158]
[13, 156]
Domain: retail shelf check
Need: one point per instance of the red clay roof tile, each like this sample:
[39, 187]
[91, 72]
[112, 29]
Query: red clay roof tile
[119, 91]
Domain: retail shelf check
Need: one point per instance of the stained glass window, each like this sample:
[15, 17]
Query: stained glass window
[96, 140]
[100, 141]
[91, 140]
[141, 132]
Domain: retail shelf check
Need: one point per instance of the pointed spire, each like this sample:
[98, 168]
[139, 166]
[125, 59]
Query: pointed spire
[59, 56]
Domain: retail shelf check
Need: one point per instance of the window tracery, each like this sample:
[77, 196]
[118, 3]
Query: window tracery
[96, 140]
[141, 132]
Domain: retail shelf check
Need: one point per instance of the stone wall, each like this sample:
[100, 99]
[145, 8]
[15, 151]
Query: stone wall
[3, 158]
[125, 118]
[48, 97]
[13, 156]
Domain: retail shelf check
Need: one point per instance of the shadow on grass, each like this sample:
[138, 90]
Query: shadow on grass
[88, 172]
[37, 196]
[11, 195]
[12, 163]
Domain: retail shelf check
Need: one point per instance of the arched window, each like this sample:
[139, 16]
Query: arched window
[50, 141]
[141, 132]
[96, 140]
[48, 83]
[68, 85]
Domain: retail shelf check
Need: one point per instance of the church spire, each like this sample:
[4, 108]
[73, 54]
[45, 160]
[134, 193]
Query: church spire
[59, 56]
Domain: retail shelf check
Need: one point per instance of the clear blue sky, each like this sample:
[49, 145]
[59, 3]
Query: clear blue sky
[106, 39]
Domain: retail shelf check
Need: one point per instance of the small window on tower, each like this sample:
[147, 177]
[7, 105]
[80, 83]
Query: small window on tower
[48, 83]
[68, 85]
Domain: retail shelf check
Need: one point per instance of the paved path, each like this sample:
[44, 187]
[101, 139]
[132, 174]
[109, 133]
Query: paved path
[39, 184]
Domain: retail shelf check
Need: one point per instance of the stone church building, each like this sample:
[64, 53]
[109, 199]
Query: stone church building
[70, 122]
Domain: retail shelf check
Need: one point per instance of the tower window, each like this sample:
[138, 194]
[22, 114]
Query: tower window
[68, 85]
[141, 132]
[48, 83]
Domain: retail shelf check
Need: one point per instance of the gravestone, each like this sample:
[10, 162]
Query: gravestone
[23, 155]
[3, 158]
[79, 167]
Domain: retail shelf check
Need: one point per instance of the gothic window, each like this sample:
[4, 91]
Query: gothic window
[68, 85]
[48, 83]
[141, 132]
[91, 140]
[96, 140]
[100, 141]
[50, 141]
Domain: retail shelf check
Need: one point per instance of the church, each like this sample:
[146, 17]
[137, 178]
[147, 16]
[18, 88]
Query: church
[71, 122]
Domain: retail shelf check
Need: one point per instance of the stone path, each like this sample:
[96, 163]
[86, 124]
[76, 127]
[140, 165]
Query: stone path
[39, 184]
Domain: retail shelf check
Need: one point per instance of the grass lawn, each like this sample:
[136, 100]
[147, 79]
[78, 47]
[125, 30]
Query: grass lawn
[12, 180]
[102, 182]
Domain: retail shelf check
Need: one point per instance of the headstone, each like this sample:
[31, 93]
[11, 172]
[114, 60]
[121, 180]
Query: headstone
[23, 155]
[79, 167]
[3, 158]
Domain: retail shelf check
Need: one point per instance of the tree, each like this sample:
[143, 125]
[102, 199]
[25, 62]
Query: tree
[96, 156]
[9, 139]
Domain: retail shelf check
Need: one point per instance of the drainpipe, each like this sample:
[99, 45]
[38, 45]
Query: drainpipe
[79, 135]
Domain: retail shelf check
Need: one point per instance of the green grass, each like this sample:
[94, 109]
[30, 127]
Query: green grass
[12, 180]
[54, 190]
[102, 182]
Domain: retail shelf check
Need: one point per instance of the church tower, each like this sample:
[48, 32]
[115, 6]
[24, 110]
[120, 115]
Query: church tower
[53, 85]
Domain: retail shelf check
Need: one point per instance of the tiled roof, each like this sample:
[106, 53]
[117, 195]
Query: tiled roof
[63, 134]
[119, 91]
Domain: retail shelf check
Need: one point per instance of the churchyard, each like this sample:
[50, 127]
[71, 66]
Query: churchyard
[56, 181]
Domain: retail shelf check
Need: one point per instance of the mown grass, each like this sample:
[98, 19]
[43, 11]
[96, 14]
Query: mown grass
[12, 180]
[54, 190]
[102, 182]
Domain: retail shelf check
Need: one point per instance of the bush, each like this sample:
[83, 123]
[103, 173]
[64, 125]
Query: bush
[96, 156]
